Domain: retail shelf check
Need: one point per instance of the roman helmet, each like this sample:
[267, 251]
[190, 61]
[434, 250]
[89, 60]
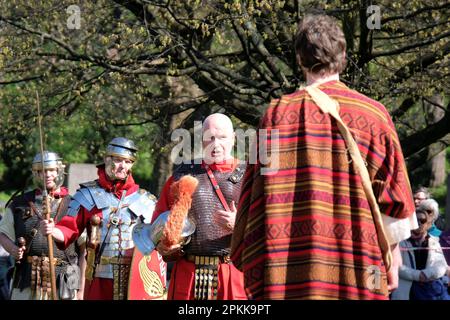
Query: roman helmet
[122, 147]
[119, 147]
[51, 161]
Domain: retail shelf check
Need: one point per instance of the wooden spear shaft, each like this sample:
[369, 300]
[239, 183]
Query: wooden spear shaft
[46, 206]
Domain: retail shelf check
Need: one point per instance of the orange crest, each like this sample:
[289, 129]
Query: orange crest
[182, 192]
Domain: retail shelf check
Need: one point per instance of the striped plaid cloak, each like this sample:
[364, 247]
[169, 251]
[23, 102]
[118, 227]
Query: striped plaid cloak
[306, 231]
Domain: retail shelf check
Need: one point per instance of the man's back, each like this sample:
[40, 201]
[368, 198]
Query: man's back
[320, 238]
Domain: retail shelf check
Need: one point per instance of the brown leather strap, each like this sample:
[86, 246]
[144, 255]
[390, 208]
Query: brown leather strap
[217, 188]
[57, 261]
[35, 209]
[63, 205]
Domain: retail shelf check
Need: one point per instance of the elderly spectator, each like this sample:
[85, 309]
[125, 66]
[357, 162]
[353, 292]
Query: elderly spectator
[421, 194]
[423, 260]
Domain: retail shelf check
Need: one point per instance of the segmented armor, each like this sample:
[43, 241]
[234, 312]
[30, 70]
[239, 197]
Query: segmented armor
[209, 238]
[120, 221]
[26, 224]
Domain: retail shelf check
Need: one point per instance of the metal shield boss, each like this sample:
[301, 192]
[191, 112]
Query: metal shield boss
[147, 236]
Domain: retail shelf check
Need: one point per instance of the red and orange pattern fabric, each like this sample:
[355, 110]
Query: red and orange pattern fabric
[305, 231]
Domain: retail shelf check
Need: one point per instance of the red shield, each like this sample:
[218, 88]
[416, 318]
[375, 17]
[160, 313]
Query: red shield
[147, 277]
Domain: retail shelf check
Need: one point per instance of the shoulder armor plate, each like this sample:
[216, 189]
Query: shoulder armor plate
[89, 184]
[144, 206]
[90, 194]
[100, 197]
[74, 207]
[83, 197]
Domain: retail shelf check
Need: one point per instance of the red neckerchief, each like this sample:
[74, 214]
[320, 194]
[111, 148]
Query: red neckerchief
[225, 166]
[116, 186]
[54, 194]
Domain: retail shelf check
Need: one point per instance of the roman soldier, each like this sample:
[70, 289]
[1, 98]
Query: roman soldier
[202, 268]
[20, 236]
[108, 208]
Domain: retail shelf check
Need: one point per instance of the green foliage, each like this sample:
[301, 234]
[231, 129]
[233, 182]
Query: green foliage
[3, 169]
[4, 196]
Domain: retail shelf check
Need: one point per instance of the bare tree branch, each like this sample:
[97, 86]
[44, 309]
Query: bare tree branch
[415, 13]
[411, 46]
[21, 80]
[423, 138]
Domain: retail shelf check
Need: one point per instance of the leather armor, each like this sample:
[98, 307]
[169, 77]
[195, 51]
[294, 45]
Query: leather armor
[26, 224]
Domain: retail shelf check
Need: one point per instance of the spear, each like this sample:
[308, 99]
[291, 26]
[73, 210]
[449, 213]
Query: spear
[46, 205]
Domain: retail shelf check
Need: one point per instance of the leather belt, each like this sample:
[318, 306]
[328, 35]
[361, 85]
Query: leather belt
[206, 275]
[59, 262]
[208, 260]
[115, 260]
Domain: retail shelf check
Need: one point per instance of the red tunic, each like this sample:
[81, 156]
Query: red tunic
[72, 227]
[181, 287]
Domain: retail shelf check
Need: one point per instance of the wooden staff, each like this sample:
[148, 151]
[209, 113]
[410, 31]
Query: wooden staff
[46, 206]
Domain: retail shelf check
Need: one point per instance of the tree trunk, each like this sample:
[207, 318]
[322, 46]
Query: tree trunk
[437, 169]
[437, 176]
[164, 168]
[180, 90]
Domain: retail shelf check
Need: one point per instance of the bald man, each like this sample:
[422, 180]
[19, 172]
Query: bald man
[202, 268]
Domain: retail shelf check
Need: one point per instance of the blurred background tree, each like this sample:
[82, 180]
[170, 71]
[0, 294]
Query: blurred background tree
[141, 69]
